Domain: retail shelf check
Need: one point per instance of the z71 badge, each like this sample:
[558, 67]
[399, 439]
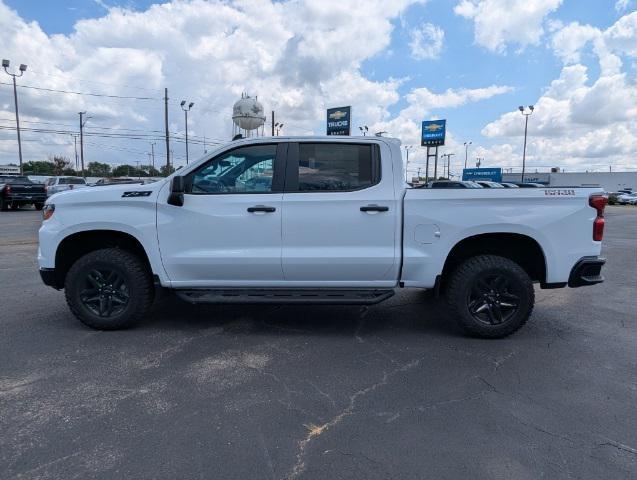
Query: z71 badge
[138, 193]
[552, 193]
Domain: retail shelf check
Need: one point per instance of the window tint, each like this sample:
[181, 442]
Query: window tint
[335, 166]
[243, 170]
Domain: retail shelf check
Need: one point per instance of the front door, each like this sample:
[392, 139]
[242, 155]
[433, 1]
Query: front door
[340, 221]
[228, 231]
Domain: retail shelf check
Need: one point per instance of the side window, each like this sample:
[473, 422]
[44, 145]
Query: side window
[336, 167]
[242, 170]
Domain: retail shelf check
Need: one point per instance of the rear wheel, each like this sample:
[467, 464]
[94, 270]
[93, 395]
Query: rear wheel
[3, 205]
[38, 206]
[491, 296]
[109, 289]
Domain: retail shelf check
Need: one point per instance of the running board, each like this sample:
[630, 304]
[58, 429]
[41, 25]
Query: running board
[279, 296]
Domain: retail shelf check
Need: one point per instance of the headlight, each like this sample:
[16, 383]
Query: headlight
[47, 211]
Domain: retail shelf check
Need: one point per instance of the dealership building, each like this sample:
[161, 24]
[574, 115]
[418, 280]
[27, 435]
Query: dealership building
[609, 181]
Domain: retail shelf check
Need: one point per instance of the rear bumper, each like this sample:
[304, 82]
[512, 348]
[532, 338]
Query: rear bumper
[49, 278]
[26, 197]
[588, 271]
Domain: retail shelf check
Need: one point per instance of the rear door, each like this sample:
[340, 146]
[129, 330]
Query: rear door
[339, 216]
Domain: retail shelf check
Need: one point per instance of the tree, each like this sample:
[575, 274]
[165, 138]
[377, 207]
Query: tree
[38, 167]
[124, 171]
[165, 171]
[97, 169]
[59, 164]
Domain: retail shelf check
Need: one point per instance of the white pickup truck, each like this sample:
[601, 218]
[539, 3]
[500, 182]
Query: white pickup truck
[316, 220]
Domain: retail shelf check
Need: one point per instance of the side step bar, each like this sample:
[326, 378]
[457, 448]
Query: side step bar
[279, 296]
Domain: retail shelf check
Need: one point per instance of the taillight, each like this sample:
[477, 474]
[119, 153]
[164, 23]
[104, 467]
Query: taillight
[598, 202]
[7, 189]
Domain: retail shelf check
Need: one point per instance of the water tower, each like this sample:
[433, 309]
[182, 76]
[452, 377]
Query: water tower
[248, 117]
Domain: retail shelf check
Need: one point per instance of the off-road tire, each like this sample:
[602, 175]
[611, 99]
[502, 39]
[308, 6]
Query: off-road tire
[468, 276]
[135, 276]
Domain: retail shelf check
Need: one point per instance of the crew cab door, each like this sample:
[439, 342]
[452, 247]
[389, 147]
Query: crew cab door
[340, 215]
[228, 231]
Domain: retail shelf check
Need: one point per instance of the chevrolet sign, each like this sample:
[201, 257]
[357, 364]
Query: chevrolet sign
[433, 133]
[339, 121]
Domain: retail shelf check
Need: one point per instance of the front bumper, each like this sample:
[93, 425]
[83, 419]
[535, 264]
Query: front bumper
[588, 271]
[49, 278]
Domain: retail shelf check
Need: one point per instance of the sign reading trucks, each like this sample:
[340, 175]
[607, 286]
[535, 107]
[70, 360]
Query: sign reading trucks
[339, 121]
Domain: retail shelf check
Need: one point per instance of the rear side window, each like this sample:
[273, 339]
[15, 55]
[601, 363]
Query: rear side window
[337, 167]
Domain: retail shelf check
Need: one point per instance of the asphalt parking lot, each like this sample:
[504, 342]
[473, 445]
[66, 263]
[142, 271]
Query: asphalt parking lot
[389, 391]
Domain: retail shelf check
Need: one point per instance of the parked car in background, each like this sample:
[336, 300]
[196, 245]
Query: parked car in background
[116, 181]
[61, 184]
[452, 184]
[18, 190]
[508, 185]
[627, 199]
[489, 184]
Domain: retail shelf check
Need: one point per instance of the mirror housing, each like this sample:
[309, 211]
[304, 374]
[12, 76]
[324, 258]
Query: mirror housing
[177, 189]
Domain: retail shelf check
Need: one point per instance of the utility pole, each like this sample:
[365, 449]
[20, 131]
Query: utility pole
[82, 123]
[186, 110]
[22, 69]
[74, 135]
[138, 171]
[167, 138]
[526, 127]
[152, 152]
[273, 123]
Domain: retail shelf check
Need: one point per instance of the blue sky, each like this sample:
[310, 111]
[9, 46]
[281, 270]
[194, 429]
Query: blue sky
[518, 66]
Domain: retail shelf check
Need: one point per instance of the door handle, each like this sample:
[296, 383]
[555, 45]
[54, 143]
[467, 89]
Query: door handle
[261, 208]
[374, 208]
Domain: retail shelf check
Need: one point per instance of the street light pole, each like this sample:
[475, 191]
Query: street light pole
[22, 69]
[186, 110]
[526, 114]
[466, 152]
[407, 148]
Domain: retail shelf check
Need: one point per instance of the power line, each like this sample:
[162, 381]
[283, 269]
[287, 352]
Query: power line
[89, 94]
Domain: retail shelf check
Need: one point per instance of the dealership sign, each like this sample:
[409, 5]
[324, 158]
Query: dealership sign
[488, 174]
[433, 133]
[339, 121]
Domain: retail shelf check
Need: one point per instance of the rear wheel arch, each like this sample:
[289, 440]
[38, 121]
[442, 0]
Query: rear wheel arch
[78, 244]
[519, 248]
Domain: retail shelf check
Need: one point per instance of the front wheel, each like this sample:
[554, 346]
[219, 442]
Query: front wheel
[109, 289]
[38, 205]
[491, 296]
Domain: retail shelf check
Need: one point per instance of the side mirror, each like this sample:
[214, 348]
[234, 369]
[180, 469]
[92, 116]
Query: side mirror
[177, 189]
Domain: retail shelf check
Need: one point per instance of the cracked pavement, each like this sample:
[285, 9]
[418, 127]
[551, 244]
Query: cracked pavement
[387, 391]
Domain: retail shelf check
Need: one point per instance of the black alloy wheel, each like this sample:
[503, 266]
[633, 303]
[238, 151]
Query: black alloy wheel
[493, 299]
[105, 292]
[490, 296]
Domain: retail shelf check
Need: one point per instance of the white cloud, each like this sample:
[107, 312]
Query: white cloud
[299, 57]
[579, 121]
[622, 5]
[426, 41]
[500, 22]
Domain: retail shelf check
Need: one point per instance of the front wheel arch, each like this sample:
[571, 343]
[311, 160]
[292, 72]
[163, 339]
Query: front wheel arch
[78, 244]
